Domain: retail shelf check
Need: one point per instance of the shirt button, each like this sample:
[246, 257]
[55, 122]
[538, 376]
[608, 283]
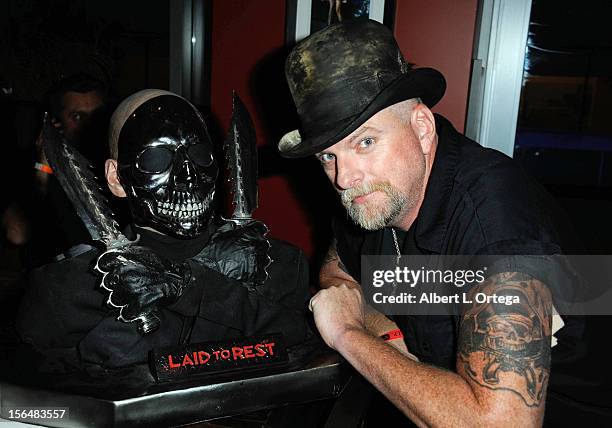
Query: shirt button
[425, 347]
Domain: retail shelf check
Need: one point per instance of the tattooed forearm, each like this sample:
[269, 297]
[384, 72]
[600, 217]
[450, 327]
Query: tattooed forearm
[332, 256]
[508, 346]
[332, 253]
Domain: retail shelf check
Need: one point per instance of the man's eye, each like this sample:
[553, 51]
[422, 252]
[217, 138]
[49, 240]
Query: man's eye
[366, 142]
[326, 157]
[76, 117]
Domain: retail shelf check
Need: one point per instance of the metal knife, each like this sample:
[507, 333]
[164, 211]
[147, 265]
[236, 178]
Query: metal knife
[74, 173]
[241, 156]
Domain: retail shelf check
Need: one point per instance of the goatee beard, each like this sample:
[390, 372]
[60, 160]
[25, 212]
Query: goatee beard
[374, 216]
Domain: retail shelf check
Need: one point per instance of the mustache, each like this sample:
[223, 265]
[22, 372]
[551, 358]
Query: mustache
[347, 196]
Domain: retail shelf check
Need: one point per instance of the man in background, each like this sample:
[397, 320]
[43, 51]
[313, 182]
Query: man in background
[78, 107]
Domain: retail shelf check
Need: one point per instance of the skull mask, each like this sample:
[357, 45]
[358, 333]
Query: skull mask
[166, 166]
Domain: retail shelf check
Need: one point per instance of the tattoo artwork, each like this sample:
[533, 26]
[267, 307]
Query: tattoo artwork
[507, 347]
[332, 255]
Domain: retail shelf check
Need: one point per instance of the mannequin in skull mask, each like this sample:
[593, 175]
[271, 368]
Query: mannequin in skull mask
[165, 163]
[204, 278]
[166, 168]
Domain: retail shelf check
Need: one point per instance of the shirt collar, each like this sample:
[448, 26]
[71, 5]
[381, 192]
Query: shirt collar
[432, 220]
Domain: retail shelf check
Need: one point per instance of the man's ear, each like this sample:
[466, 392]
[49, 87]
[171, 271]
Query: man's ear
[424, 127]
[112, 178]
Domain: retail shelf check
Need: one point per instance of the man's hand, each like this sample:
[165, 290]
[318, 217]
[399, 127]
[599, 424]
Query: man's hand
[333, 274]
[337, 310]
[15, 225]
[240, 252]
[139, 280]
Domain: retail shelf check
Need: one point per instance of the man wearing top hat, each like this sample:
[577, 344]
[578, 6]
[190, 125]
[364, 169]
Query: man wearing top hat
[412, 184]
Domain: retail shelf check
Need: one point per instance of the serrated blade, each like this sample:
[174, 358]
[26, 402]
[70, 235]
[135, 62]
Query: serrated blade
[241, 156]
[75, 175]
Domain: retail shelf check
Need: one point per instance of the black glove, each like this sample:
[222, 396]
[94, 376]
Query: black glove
[239, 252]
[139, 280]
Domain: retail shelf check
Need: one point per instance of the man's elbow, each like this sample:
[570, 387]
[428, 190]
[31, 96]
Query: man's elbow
[509, 414]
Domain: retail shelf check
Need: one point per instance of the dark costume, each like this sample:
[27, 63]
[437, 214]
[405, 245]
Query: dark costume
[185, 276]
[479, 202]
[65, 316]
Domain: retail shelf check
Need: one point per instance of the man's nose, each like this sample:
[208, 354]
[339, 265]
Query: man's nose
[348, 174]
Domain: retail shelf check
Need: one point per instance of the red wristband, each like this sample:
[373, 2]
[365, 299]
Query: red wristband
[392, 335]
[43, 167]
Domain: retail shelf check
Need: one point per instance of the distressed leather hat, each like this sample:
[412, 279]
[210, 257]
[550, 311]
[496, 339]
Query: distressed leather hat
[342, 75]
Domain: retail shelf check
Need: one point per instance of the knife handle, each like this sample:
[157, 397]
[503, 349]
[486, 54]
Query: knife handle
[241, 221]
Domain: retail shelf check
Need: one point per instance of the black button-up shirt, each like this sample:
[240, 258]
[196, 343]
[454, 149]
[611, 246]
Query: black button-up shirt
[477, 202]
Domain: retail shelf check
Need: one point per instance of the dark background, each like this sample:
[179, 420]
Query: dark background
[563, 131]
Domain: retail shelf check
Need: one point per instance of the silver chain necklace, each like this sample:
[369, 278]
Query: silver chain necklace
[397, 248]
[399, 256]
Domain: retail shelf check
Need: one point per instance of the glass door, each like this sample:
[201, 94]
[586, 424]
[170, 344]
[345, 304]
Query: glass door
[541, 91]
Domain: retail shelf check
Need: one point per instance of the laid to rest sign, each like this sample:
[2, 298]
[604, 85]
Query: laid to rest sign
[215, 357]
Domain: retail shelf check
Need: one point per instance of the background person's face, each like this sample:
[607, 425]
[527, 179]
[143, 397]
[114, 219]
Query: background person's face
[379, 171]
[77, 112]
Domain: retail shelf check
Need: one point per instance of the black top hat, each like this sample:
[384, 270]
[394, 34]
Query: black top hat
[344, 74]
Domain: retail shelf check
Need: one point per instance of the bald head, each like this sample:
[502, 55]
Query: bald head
[123, 112]
[403, 109]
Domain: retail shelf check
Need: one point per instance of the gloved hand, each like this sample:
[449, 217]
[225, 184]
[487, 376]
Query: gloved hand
[239, 252]
[139, 280]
